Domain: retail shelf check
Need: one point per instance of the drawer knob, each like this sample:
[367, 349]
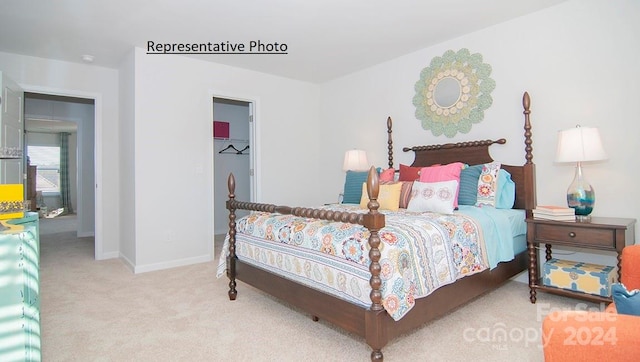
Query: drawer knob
[572, 234]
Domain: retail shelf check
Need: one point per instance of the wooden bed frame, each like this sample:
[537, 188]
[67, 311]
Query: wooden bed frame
[373, 323]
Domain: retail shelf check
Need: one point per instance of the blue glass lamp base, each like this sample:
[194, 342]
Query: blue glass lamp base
[581, 196]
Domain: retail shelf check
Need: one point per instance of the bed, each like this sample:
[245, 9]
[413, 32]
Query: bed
[395, 301]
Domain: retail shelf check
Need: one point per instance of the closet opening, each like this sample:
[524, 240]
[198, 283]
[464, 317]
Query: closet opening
[233, 152]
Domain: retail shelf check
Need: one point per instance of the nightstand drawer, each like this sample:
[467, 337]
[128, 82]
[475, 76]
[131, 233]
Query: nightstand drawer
[570, 234]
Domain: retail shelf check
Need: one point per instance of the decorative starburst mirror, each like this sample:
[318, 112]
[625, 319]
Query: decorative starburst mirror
[453, 92]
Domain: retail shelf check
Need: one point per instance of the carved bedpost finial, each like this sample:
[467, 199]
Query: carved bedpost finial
[373, 188]
[526, 104]
[231, 185]
[526, 101]
[390, 141]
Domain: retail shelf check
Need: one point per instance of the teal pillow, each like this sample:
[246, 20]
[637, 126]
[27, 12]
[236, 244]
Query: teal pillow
[506, 194]
[468, 194]
[353, 186]
[627, 302]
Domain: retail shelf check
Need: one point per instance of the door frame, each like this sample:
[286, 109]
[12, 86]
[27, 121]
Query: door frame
[254, 142]
[99, 253]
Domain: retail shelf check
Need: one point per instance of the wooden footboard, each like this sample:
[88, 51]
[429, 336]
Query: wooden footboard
[320, 305]
[377, 327]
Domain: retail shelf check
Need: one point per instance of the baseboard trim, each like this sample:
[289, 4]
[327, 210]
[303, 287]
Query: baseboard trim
[128, 263]
[171, 264]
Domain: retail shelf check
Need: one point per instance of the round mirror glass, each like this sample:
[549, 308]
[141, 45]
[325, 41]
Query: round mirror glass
[447, 92]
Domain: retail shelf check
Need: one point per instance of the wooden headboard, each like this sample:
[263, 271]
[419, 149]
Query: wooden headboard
[477, 152]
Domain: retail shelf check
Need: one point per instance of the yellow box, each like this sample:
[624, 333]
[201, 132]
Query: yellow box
[11, 201]
[579, 277]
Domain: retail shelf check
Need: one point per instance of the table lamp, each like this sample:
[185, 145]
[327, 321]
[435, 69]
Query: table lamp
[580, 144]
[355, 160]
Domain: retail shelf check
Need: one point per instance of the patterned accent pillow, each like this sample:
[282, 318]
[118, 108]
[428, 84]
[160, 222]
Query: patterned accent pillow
[468, 191]
[440, 173]
[408, 173]
[433, 196]
[388, 196]
[487, 184]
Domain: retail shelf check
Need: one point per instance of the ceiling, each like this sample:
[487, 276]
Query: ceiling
[325, 39]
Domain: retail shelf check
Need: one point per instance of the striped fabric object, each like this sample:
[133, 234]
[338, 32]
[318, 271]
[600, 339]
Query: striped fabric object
[405, 191]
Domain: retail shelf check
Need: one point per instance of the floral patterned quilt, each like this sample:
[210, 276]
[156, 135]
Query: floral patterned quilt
[420, 253]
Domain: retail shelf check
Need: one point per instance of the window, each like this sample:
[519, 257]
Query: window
[48, 161]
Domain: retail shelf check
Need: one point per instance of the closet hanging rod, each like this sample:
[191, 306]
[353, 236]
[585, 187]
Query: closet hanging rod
[230, 139]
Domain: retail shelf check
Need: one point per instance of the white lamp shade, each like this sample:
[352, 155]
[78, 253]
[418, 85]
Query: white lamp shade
[355, 160]
[580, 144]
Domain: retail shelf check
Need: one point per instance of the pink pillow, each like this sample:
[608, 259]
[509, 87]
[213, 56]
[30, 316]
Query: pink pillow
[446, 172]
[408, 173]
[387, 175]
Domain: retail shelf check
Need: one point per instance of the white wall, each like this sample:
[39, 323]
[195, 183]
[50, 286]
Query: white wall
[173, 128]
[63, 78]
[579, 62]
[126, 160]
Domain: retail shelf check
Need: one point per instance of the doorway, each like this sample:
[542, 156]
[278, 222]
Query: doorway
[54, 123]
[233, 152]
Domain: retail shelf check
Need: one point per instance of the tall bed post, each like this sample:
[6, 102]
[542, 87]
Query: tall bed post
[529, 166]
[231, 258]
[374, 221]
[390, 141]
[526, 104]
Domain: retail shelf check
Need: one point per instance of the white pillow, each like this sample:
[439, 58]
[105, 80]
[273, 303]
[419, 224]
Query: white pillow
[433, 196]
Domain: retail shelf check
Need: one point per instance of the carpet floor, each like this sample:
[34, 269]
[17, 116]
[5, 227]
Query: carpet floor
[100, 311]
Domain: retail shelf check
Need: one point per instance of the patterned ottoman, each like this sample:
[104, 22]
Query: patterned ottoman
[579, 277]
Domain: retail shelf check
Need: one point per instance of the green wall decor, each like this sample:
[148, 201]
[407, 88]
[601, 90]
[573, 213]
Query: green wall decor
[453, 92]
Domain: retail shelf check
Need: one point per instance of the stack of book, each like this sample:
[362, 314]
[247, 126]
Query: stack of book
[551, 212]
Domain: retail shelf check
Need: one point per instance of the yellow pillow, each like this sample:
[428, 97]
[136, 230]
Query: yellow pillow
[388, 197]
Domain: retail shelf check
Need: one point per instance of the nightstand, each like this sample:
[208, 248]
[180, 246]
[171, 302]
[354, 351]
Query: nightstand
[600, 233]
